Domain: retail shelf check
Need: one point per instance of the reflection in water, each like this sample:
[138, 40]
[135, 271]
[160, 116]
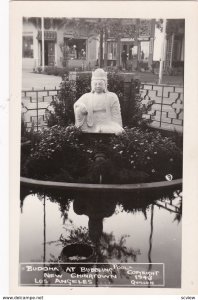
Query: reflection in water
[96, 209]
[151, 235]
[44, 230]
[84, 222]
[150, 243]
[105, 245]
[44, 235]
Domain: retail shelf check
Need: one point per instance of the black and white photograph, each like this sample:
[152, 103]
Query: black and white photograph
[100, 183]
[101, 152]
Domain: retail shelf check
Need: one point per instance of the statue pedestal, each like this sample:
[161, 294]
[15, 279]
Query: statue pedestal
[99, 140]
[97, 136]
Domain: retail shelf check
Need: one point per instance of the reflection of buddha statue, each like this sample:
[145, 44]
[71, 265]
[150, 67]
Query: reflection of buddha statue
[99, 110]
[96, 211]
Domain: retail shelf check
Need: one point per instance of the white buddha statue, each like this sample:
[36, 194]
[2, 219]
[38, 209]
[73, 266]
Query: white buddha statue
[99, 110]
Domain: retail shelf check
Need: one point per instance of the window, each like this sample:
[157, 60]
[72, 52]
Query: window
[111, 50]
[177, 49]
[144, 55]
[28, 46]
[76, 48]
[133, 52]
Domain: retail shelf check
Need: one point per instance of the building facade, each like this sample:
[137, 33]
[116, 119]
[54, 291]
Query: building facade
[79, 45]
[175, 42]
[62, 44]
[138, 48]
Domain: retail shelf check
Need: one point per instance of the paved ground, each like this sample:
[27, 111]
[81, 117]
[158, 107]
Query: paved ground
[39, 81]
[152, 78]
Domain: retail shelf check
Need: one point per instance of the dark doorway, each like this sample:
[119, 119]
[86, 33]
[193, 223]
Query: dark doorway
[49, 56]
[125, 48]
[46, 53]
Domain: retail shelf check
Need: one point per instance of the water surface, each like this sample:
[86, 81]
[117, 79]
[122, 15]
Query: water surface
[127, 230]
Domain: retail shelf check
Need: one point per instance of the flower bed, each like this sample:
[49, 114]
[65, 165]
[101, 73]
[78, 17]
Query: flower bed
[139, 155]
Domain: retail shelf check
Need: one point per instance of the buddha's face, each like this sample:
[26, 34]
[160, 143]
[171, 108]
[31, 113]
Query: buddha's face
[98, 86]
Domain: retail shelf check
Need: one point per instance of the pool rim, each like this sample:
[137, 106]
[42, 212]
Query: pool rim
[104, 187]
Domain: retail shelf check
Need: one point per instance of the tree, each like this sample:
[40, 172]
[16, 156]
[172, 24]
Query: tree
[100, 28]
[65, 51]
[104, 29]
[175, 26]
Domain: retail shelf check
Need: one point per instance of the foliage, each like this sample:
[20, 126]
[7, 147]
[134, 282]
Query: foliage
[54, 155]
[155, 64]
[115, 27]
[38, 70]
[25, 135]
[56, 71]
[174, 26]
[83, 84]
[60, 197]
[65, 154]
[65, 52]
[150, 152]
[143, 66]
[27, 139]
[71, 90]
[106, 245]
[132, 109]
[62, 113]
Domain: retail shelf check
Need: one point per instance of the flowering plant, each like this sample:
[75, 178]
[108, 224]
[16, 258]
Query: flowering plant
[65, 154]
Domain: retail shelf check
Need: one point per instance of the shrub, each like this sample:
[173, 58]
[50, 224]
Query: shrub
[56, 71]
[147, 150]
[63, 113]
[25, 135]
[70, 91]
[65, 154]
[54, 155]
[143, 66]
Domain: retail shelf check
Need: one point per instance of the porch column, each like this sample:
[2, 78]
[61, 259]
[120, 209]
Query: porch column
[150, 60]
[118, 51]
[171, 52]
[105, 48]
[151, 43]
[162, 52]
[138, 53]
[101, 49]
[43, 44]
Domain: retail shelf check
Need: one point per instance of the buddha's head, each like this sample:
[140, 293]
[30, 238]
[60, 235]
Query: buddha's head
[99, 81]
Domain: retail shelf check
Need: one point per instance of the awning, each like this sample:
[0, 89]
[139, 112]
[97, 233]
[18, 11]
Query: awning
[127, 39]
[144, 38]
[48, 35]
